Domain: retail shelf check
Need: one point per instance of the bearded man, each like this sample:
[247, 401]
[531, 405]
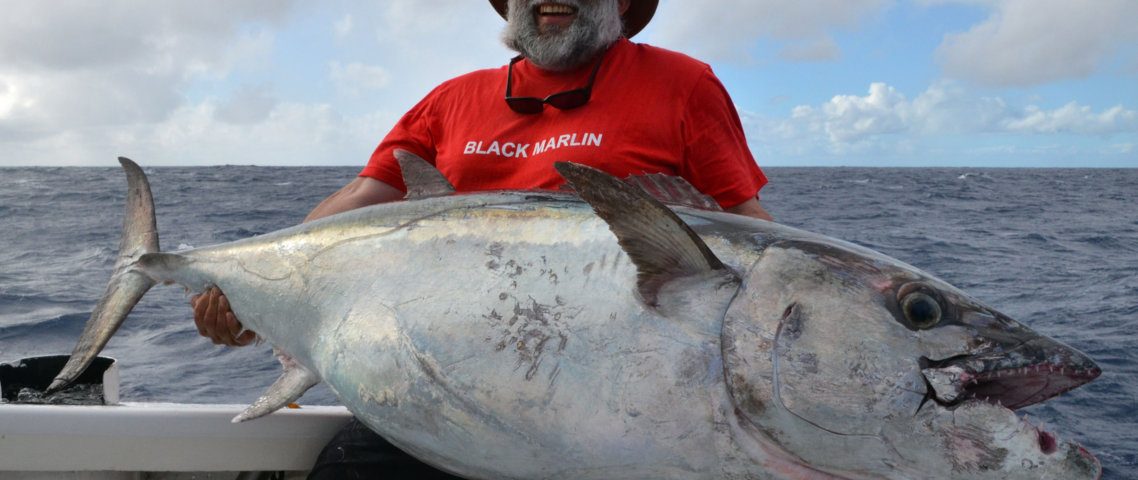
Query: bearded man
[578, 91]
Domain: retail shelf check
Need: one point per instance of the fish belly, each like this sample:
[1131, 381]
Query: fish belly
[502, 347]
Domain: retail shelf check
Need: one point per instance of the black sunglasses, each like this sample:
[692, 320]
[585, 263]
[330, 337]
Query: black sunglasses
[566, 100]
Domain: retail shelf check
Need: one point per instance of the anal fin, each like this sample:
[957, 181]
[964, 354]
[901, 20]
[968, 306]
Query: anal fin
[295, 380]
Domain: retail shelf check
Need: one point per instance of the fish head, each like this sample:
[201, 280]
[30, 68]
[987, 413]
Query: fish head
[853, 363]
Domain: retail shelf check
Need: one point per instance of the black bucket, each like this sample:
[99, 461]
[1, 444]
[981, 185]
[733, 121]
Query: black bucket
[25, 380]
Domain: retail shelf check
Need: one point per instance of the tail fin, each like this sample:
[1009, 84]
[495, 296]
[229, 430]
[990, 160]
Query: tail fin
[127, 286]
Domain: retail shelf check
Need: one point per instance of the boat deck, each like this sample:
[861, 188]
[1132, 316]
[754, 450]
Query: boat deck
[159, 440]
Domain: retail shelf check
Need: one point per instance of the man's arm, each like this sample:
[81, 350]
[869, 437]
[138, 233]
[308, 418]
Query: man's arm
[361, 192]
[751, 208]
[212, 315]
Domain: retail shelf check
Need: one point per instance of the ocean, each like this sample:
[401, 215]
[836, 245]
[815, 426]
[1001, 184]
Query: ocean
[1056, 249]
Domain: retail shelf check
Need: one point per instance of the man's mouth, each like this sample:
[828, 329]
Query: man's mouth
[556, 10]
[555, 15]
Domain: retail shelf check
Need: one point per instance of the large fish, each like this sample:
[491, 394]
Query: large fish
[533, 335]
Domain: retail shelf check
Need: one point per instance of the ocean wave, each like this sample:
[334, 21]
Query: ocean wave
[65, 327]
[1107, 242]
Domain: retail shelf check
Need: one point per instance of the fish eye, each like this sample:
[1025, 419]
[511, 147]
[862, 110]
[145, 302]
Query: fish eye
[922, 310]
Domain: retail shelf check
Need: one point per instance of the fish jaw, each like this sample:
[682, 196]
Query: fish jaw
[973, 397]
[1006, 370]
[984, 440]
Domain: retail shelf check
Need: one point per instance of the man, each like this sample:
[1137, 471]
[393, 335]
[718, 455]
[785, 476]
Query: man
[579, 91]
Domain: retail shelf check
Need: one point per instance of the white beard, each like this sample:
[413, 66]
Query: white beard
[597, 26]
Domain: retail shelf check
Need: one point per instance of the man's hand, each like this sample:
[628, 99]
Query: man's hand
[216, 321]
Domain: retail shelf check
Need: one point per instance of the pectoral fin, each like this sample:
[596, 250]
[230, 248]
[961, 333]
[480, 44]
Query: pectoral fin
[295, 380]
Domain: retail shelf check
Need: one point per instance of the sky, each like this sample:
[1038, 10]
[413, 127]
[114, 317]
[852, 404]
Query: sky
[975, 83]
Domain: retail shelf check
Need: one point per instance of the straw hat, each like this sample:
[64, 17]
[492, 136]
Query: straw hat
[637, 16]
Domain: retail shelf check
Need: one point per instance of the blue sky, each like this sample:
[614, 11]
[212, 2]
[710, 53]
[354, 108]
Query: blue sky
[817, 82]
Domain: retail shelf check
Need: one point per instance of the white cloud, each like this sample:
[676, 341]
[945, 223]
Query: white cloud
[121, 32]
[848, 118]
[1073, 117]
[73, 64]
[171, 82]
[1028, 42]
[355, 77]
[289, 134]
[886, 118]
[41, 103]
[729, 29]
[454, 38]
[81, 82]
[1120, 149]
[343, 27]
[14, 97]
[248, 105]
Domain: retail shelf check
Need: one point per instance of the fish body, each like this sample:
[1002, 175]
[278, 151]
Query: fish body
[522, 335]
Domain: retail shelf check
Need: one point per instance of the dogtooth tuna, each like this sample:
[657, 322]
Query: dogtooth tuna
[604, 334]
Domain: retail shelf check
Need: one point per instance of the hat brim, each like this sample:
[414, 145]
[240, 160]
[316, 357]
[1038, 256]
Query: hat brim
[639, 13]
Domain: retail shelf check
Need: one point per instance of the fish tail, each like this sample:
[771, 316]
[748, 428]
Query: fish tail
[127, 285]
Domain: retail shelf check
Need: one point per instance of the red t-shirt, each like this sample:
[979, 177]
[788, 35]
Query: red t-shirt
[651, 111]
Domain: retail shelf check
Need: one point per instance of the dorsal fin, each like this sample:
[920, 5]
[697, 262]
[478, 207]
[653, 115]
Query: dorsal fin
[673, 190]
[660, 244]
[422, 179]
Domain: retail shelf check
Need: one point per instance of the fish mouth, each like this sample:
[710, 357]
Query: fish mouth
[970, 382]
[1008, 367]
[1009, 384]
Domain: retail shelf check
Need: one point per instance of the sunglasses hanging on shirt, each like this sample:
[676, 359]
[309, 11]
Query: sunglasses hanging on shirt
[566, 100]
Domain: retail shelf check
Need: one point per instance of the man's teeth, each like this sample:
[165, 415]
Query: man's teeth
[555, 9]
